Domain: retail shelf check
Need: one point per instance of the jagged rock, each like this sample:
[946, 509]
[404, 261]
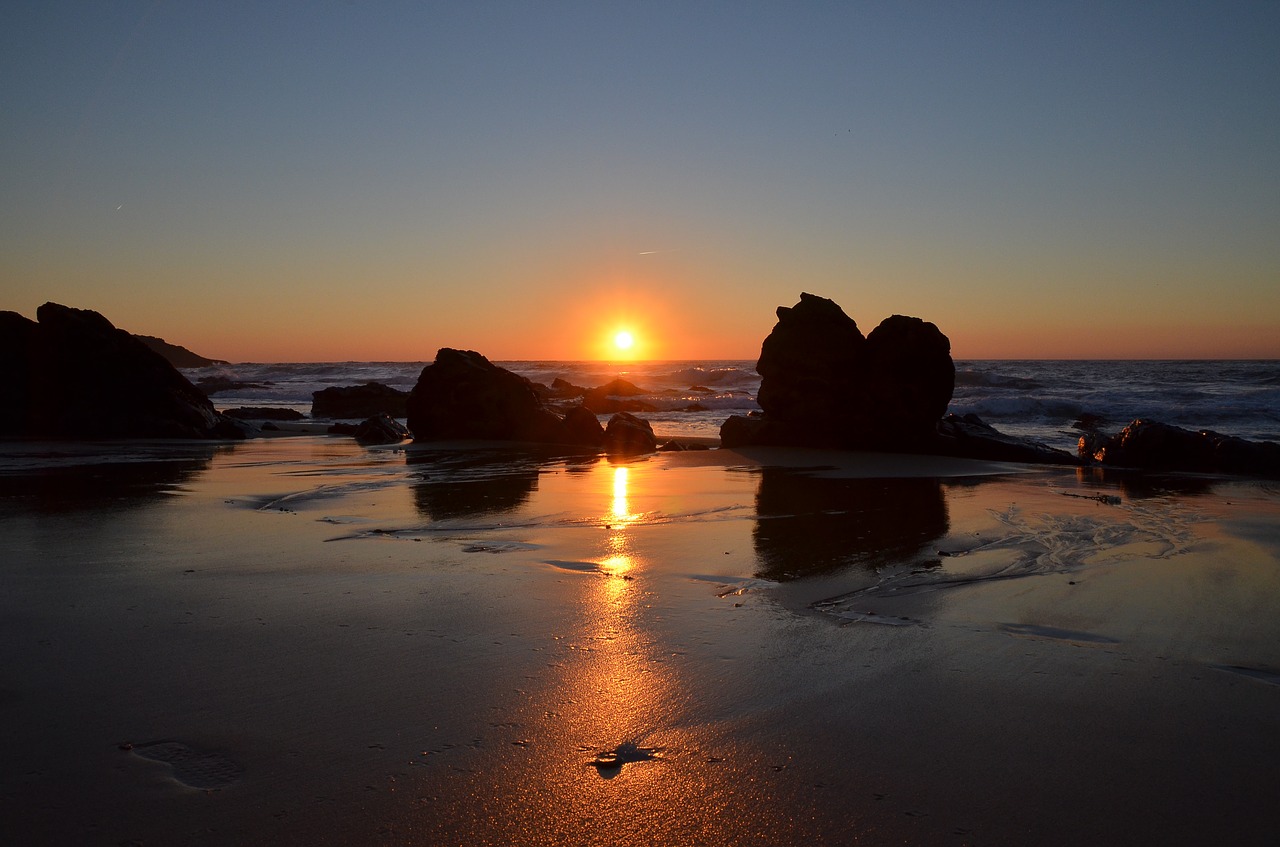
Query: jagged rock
[381, 429]
[263, 413]
[73, 374]
[627, 435]
[463, 395]
[973, 438]
[824, 385]
[1158, 446]
[358, 401]
[178, 356]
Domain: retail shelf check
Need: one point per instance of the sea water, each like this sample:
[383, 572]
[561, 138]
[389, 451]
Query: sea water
[1036, 399]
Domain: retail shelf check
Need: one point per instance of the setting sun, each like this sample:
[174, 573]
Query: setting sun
[624, 340]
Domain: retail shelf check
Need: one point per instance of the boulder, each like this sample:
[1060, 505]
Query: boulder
[359, 401]
[72, 374]
[1157, 446]
[381, 429]
[462, 395]
[824, 385]
[583, 427]
[627, 435]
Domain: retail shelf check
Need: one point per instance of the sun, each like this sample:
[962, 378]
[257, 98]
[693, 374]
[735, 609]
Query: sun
[624, 340]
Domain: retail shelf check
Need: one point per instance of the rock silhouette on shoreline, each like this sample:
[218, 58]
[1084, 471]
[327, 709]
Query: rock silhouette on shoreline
[1150, 445]
[73, 374]
[823, 384]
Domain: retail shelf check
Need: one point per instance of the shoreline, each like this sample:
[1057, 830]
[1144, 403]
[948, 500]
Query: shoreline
[298, 640]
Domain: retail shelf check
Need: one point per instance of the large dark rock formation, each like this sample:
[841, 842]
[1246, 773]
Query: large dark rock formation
[1151, 445]
[462, 395]
[73, 374]
[824, 385]
[359, 401]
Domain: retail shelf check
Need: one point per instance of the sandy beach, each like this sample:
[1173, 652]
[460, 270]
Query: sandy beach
[303, 641]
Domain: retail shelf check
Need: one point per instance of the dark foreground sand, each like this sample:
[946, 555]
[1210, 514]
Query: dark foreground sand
[300, 641]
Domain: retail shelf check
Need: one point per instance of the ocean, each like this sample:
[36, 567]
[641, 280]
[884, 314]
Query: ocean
[1033, 399]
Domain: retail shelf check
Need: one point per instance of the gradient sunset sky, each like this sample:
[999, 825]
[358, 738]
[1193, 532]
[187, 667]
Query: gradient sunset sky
[331, 181]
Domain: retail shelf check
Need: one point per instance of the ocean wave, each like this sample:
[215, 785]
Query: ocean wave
[987, 379]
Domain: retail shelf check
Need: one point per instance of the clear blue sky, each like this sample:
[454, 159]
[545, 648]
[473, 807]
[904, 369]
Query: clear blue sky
[299, 181]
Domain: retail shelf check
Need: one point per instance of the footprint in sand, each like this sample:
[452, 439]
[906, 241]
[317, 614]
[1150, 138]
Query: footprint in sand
[193, 768]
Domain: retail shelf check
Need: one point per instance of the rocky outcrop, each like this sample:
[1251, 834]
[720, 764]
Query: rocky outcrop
[462, 395]
[359, 401]
[825, 385]
[179, 357]
[1151, 445]
[72, 374]
[972, 438]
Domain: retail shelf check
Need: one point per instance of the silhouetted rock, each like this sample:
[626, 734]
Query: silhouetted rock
[73, 374]
[381, 429]
[603, 400]
[179, 357]
[359, 401]
[1156, 446]
[627, 435]
[583, 427]
[824, 385]
[910, 377]
[561, 389]
[263, 413]
[462, 395]
[972, 438]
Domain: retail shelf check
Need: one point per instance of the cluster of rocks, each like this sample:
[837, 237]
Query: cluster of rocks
[464, 396]
[72, 374]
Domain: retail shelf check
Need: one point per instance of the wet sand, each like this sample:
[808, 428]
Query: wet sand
[302, 641]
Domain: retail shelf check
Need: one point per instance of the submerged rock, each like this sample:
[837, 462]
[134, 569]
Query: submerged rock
[263, 413]
[73, 374]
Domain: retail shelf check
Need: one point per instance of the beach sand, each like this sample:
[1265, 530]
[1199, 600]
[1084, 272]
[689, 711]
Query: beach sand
[302, 641]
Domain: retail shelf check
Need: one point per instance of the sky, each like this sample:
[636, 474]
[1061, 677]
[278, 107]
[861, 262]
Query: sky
[328, 181]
